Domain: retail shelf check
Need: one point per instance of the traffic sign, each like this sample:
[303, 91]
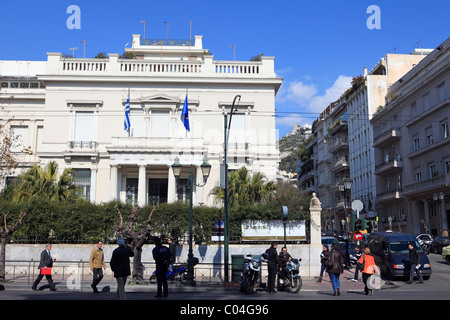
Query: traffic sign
[358, 236]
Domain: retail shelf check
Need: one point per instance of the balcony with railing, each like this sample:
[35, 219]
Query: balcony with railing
[387, 167]
[437, 183]
[340, 164]
[114, 66]
[387, 137]
[390, 195]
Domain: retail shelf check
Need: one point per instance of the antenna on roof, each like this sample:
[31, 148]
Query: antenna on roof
[417, 44]
[73, 51]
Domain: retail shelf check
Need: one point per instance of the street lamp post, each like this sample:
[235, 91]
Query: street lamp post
[344, 185]
[225, 197]
[206, 169]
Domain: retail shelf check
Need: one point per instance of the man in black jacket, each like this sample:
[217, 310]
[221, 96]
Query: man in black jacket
[120, 265]
[274, 266]
[45, 263]
[414, 257]
[161, 255]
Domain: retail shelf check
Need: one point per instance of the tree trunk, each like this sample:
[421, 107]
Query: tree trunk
[138, 267]
[4, 240]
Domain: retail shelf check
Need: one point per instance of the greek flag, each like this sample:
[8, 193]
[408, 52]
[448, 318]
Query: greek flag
[185, 114]
[126, 121]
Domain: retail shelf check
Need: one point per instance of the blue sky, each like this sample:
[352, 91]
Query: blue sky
[318, 45]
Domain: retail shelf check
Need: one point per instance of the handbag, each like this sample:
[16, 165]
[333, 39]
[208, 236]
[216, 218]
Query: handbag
[360, 266]
[45, 271]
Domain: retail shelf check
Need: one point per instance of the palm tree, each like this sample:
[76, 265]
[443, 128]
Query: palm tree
[44, 183]
[244, 188]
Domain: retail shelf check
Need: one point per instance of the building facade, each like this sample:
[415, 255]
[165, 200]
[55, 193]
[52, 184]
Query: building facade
[362, 103]
[76, 118]
[412, 148]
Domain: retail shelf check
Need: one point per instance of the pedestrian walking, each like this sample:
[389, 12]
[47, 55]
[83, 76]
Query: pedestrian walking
[323, 261]
[335, 268]
[369, 268]
[358, 255]
[273, 266]
[161, 255]
[45, 266]
[173, 253]
[96, 263]
[414, 257]
[120, 265]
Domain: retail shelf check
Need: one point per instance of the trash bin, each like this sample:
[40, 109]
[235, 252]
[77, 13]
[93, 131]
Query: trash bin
[237, 266]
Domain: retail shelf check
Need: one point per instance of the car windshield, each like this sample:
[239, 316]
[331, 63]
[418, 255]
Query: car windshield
[329, 241]
[401, 247]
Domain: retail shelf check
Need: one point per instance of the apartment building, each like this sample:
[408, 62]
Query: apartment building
[363, 101]
[412, 148]
[341, 168]
[72, 111]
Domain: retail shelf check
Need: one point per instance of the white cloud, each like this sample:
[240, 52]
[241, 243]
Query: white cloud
[306, 95]
[299, 102]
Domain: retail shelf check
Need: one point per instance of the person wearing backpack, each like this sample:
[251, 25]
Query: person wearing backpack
[161, 255]
[414, 257]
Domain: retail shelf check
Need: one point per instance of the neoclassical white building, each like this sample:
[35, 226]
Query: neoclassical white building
[72, 111]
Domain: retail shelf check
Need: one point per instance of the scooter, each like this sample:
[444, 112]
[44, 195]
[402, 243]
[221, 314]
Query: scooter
[178, 273]
[251, 274]
[426, 246]
[290, 278]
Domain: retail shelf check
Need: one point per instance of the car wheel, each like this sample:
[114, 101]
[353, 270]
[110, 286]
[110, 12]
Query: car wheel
[447, 259]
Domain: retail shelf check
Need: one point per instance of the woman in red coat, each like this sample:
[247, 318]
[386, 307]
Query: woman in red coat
[369, 268]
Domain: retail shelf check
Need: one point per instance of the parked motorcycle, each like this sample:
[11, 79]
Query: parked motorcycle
[426, 245]
[251, 273]
[290, 278]
[178, 273]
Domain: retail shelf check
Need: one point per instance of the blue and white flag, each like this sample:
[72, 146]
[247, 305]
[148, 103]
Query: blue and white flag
[126, 121]
[185, 114]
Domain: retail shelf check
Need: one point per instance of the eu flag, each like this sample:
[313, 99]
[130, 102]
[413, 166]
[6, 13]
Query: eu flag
[185, 114]
[126, 121]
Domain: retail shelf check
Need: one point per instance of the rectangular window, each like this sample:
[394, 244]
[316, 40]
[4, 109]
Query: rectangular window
[131, 191]
[441, 92]
[40, 130]
[432, 172]
[413, 108]
[160, 123]
[416, 144]
[137, 123]
[82, 179]
[426, 101]
[444, 130]
[447, 166]
[237, 132]
[84, 126]
[20, 138]
[418, 176]
[429, 135]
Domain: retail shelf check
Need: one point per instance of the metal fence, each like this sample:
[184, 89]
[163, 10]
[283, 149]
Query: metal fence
[80, 272]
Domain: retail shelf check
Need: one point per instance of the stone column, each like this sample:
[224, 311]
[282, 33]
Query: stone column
[142, 186]
[198, 196]
[315, 247]
[171, 186]
[93, 184]
[113, 183]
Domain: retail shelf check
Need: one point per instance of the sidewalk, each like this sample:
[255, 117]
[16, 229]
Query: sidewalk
[109, 284]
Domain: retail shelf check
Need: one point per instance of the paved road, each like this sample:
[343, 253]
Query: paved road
[437, 288]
